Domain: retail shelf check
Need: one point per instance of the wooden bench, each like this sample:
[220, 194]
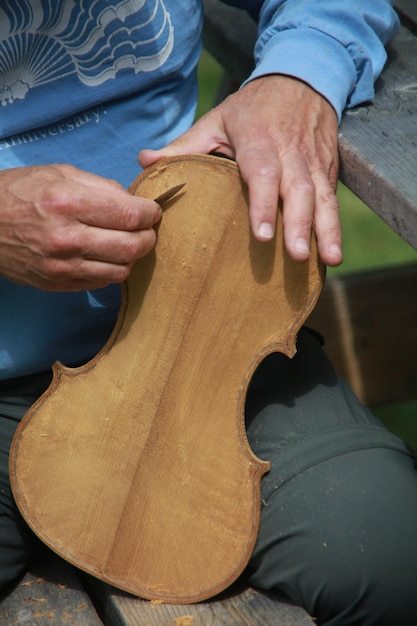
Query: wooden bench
[51, 593]
[369, 321]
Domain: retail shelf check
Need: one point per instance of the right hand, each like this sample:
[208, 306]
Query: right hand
[63, 229]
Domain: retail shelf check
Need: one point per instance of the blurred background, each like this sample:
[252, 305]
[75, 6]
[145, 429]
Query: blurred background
[367, 243]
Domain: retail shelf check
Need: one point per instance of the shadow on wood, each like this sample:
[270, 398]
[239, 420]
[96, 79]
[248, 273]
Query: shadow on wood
[51, 594]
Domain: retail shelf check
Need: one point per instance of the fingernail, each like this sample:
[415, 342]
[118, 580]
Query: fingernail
[302, 246]
[265, 230]
[335, 250]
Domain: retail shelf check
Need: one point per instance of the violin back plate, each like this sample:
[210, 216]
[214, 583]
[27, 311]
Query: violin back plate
[136, 467]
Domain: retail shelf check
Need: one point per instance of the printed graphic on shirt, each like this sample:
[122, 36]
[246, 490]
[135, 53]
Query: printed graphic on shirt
[42, 41]
[93, 116]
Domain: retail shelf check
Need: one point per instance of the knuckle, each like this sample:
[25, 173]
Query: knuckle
[297, 224]
[130, 250]
[262, 154]
[329, 201]
[53, 269]
[304, 225]
[115, 274]
[137, 245]
[304, 185]
[121, 274]
[147, 242]
[131, 215]
[55, 198]
[59, 242]
[128, 219]
[267, 172]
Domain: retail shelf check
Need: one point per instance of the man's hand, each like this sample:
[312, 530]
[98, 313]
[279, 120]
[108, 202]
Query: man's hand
[283, 136]
[65, 229]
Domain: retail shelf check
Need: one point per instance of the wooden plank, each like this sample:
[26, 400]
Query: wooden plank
[238, 607]
[51, 594]
[369, 321]
[377, 144]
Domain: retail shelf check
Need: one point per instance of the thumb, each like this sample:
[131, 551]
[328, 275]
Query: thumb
[203, 137]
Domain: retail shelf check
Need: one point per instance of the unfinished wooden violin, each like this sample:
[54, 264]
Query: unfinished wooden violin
[136, 467]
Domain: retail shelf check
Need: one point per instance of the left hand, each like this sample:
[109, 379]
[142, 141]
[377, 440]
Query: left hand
[283, 135]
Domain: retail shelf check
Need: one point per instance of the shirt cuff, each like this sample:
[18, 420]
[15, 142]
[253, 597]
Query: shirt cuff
[313, 57]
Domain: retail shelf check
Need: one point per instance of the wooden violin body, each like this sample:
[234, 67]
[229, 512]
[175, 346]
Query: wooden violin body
[135, 467]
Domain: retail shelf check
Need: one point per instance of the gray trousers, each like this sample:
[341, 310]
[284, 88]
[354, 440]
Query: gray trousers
[338, 531]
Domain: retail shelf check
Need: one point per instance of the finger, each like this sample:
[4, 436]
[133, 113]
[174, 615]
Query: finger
[117, 247]
[204, 137]
[86, 242]
[124, 214]
[108, 208]
[103, 263]
[327, 224]
[261, 170]
[88, 275]
[298, 195]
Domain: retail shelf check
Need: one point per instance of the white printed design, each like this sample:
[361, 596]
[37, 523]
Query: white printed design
[42, 41]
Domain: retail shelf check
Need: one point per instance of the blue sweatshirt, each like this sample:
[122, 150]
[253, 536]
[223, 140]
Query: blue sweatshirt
[91, 83]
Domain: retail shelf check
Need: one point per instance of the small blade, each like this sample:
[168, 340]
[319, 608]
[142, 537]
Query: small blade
[167, 195]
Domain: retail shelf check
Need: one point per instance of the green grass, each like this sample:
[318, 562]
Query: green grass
[367, 243]
[209, 77]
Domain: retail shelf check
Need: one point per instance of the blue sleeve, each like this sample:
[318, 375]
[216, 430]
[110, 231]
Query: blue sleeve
[336, 46]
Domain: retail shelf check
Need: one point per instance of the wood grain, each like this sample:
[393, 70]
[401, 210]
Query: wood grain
[136, 467]
[239, 606]
[51, 594]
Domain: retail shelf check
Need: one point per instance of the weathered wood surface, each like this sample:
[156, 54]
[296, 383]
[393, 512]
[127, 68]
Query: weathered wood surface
[369, 321]
[238, 607]
[51, 594]
[378, 143]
